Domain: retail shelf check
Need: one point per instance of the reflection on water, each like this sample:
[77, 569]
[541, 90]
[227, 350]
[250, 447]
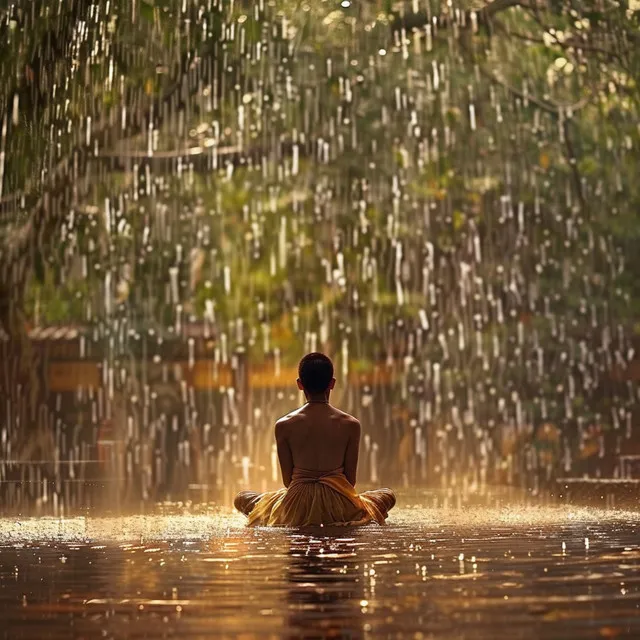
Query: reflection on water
[324, 593]
[432, 573]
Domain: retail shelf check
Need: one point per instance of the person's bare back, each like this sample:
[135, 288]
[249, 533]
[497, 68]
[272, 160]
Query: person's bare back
[318, 437]
[318, 452]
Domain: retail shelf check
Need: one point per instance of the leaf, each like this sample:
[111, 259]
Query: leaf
[593, 16]
[458, 220]
[147, 10]
[544, 160]
[484, 184]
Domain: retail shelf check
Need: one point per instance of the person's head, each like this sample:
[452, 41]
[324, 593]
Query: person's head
[315, 375]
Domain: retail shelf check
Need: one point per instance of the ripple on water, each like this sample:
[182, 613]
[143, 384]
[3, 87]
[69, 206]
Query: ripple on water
[440, 573]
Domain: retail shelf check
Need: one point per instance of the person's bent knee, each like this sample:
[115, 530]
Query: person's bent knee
[245, 501]
[391, 496]
[242, 501]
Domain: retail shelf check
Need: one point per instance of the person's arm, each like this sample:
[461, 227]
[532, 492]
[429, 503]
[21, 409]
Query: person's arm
[352, 452]
[284, 453]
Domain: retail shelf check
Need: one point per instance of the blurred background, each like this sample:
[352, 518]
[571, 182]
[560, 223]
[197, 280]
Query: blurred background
[442, 196]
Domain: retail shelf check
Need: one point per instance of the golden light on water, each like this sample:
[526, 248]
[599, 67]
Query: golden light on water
[216, 522]
[202, 571]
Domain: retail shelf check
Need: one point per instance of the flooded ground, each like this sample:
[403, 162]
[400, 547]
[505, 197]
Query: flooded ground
[537, 572]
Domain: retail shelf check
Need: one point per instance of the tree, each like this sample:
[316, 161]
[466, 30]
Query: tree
[450, 191]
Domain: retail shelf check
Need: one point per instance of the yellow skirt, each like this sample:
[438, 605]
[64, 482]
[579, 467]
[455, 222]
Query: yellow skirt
[316, 498]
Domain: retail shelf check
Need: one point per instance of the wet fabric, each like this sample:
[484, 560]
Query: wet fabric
[315, 498]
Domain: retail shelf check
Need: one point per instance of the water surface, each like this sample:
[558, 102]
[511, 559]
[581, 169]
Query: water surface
[533, 572]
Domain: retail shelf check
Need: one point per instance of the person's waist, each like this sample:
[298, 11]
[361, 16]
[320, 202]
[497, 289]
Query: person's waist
[316, 475]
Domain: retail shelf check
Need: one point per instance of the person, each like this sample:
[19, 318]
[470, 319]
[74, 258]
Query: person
[318, 448]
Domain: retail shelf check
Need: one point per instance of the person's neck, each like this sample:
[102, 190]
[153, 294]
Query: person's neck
[317, 399]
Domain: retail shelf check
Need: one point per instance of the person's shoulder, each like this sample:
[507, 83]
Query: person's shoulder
[283, 423]
[292, 416]
[347, 419]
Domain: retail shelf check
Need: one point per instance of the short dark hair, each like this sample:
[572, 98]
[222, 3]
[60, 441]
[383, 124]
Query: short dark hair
[315, 372]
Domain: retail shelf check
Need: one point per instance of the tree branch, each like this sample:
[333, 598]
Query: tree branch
[545, 105]
[484, 16]
[570, 43]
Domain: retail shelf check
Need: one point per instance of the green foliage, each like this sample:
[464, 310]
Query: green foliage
[510, 150]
